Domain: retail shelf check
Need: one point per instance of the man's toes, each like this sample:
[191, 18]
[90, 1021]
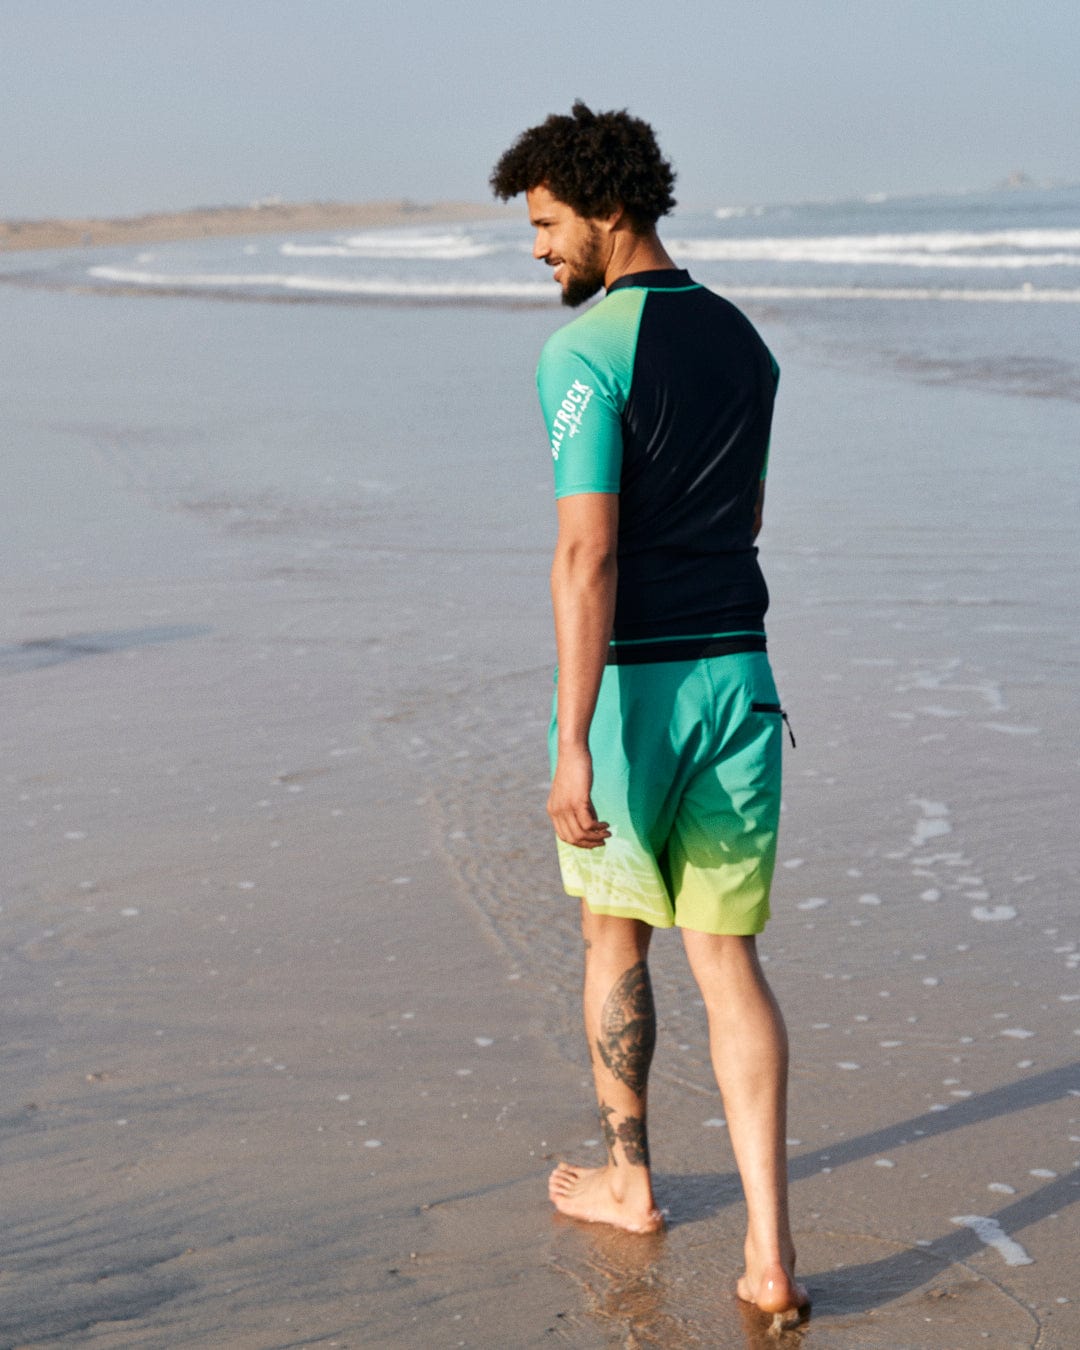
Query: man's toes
[562, 1179]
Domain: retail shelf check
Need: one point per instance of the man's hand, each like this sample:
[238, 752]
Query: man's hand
[570, 803]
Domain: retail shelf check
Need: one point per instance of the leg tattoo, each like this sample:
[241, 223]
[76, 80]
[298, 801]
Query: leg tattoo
[634, 1140]
[608, 1130]
[628, 1029]
[630, 1132]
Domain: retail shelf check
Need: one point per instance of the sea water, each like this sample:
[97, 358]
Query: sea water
[973, 246]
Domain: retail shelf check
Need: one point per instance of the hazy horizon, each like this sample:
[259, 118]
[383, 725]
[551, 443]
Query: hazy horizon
[1003, 185]
[130, 107]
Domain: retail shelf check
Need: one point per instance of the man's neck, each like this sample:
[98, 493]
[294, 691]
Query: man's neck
[636, 253]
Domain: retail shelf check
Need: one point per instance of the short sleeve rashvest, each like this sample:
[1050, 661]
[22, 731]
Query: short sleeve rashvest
[663, 393]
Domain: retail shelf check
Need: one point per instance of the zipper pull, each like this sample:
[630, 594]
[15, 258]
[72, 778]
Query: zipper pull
[784, 715]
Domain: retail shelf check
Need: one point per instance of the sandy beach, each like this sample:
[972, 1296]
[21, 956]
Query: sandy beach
[270, 217]
[289, 984]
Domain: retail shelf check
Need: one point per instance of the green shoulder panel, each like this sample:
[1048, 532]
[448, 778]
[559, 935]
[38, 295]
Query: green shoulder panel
[584, 381]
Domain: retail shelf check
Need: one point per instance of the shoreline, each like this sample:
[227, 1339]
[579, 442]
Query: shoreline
[17, 236]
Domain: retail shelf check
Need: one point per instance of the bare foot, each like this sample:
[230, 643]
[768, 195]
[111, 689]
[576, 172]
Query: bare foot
[587, 1193]
[775, 1292]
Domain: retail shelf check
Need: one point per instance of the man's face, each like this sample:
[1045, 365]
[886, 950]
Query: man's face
[569, 243]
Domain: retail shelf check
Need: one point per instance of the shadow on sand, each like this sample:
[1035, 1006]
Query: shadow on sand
[694, 1197]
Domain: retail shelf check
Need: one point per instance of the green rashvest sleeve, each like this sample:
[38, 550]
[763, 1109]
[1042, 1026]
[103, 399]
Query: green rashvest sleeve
[583, 380]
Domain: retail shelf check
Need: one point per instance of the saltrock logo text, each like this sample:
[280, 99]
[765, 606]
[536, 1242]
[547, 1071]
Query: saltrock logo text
[567, 420]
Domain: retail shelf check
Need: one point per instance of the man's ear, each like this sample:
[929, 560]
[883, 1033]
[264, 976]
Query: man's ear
[617, 219]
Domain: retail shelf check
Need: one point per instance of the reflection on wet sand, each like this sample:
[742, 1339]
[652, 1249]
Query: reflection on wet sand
[39, 652]
[678, 1288]
[662, 1291]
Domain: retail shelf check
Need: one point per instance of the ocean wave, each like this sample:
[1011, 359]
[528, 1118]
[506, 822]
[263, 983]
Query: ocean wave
[384, 287]
[395, 289]
[943, 248]
[395, 245]
[1026, 294]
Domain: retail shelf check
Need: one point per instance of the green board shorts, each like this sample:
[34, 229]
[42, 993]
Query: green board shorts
[686, 771]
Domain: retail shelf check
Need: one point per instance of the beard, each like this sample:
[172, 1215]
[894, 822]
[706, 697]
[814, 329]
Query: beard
[585, 275]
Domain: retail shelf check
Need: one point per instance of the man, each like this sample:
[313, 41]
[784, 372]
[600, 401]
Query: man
[658, 402]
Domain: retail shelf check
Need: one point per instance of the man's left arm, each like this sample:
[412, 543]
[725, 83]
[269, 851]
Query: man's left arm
[759, 505]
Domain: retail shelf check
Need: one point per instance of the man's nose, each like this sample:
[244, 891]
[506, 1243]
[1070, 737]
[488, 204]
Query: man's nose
[541, 248]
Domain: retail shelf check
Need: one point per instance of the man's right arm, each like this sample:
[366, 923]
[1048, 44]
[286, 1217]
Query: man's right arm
[583, 579]
[586, 445]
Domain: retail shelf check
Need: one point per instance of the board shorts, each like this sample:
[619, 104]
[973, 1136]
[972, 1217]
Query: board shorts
[686, 771]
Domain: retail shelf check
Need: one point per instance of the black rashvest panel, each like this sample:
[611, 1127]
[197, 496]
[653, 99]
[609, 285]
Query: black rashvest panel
[663, 392]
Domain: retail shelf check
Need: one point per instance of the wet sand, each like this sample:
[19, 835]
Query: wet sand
[291, 993]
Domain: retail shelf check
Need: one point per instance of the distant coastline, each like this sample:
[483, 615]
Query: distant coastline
[258, 218]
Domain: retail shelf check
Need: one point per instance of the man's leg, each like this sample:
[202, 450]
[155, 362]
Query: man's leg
[750, 1057]
[620, 1025]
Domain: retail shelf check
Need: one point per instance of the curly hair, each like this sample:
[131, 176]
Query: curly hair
[594, 162]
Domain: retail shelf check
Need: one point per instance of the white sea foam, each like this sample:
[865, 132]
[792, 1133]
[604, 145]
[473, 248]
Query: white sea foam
[493, 291]
[993, 913]
[365, 286]
[415, 247]
[929, 829]
[932, 825]
[993, 1235]
[1021, 294]
[939, 249]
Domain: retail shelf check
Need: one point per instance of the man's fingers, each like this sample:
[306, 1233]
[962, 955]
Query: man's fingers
[581, 828]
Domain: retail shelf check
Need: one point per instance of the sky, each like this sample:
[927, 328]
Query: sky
[116, 107]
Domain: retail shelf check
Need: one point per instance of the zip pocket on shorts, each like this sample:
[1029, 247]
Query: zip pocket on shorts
[775, 708]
